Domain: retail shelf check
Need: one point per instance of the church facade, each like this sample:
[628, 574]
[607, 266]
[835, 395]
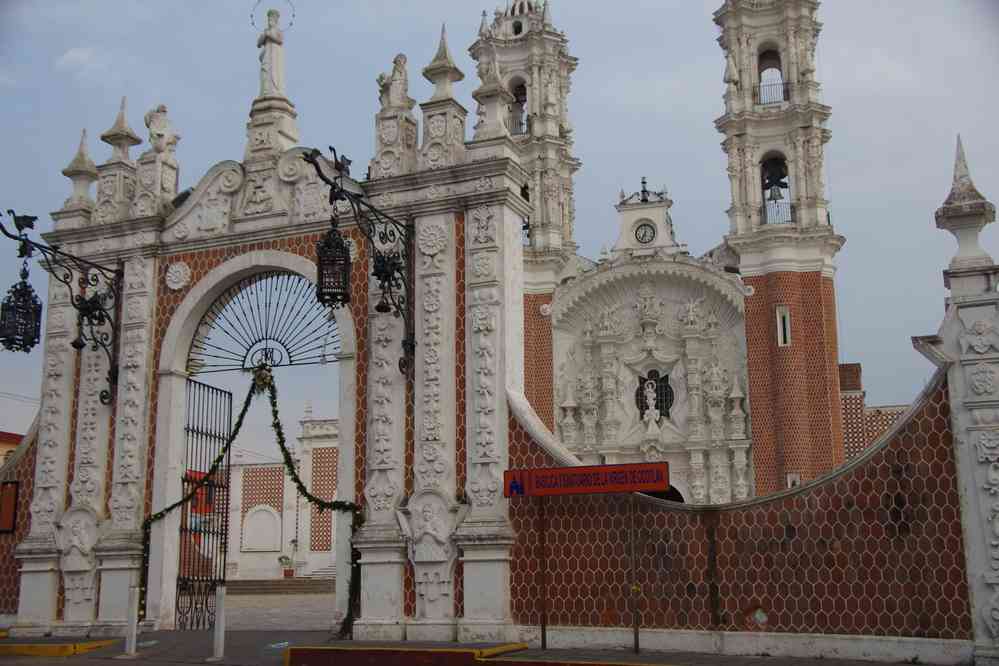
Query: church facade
[723, 365]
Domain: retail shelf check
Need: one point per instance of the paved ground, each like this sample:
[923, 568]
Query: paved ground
[260, 648]
[292, 612]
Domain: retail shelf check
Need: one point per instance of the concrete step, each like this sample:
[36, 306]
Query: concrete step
[324, 572]
[281, 586]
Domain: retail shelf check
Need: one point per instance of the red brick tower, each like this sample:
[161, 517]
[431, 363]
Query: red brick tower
[774, 127]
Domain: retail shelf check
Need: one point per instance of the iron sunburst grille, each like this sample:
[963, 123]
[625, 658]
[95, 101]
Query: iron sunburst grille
[271, 318]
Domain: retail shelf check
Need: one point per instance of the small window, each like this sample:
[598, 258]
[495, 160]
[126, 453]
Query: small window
[783, 326]
[518, 27]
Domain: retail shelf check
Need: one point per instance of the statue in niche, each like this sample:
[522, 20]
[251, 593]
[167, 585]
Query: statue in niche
[271, 45]
[654, 395]
[430, 539]
[393, 87]
[652, 414]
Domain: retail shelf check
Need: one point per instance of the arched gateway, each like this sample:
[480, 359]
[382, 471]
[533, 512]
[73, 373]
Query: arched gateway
[527, 355]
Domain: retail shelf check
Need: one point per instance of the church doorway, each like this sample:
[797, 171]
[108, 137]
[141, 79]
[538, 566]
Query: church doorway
[246, 526]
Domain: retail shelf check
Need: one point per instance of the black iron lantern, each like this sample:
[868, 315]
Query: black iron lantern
[21, 316]
[333, 270]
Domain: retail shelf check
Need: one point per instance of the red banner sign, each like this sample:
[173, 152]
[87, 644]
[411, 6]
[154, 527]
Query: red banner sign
[637, 478]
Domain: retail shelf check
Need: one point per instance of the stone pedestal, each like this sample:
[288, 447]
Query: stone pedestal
[383, 560]
[486, 559]
[119, 566]
[39, 587]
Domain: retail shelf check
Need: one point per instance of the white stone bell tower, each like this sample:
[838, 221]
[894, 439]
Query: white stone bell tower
[535, 68]
[775, 131]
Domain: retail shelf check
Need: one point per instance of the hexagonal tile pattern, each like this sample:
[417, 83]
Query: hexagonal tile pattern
[874, 549]
[23, 472]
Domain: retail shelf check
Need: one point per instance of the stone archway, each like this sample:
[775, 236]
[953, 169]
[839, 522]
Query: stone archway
[171, 379]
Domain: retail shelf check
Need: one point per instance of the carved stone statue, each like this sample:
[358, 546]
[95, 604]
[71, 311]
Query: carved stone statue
[430, 539]
[393, 87]
[652, 414]
[271, 45]
[162, 136]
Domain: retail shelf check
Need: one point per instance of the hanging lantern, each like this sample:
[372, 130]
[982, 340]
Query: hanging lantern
[21, 316]
[333, 270]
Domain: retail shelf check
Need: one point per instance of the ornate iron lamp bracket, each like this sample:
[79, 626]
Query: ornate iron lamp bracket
[390, 240]
[95, 294]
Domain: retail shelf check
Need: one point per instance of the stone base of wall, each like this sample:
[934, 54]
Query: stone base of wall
[875, 648]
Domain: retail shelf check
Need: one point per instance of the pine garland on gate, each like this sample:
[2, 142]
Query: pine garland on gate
[263, 381]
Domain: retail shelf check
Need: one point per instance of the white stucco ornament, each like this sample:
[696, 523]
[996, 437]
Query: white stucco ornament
[545, 309]
[178, 276]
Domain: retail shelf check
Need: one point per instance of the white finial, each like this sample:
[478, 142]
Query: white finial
[546, 14]
[121, 137]
[964, 214]
[308, 410]
[484, 26]
[82, 171]
[963, 189]
[442, 71]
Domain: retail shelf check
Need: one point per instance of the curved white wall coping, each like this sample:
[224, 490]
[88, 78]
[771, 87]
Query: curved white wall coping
[536, 428]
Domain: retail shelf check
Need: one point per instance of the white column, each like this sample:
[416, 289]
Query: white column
[345, 483]
[380, 541]
[432, 510]
[169, 464]
[38, 554]
[494, 362]
[120, 547]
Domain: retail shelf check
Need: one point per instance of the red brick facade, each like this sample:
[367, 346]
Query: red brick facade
[22, 471]
[794, 391]
[862, 425]
[538, 354]
[874, 549]
[324, 479]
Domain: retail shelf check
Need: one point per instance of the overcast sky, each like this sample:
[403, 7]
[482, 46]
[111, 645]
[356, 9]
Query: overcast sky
[903, 77]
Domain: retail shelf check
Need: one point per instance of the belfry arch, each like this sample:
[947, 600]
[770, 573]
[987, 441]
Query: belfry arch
[171, 409]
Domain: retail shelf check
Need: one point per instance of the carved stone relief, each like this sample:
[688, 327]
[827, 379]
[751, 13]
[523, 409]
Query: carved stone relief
[650, 368]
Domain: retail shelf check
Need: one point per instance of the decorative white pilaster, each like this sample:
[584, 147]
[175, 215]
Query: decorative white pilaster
[432, 513]
[494, 353]
[38, 554]
[120, 546]
[380, 541]
[967, 345]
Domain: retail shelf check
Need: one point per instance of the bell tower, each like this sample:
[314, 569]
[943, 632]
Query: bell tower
[775, 132]
[535, 68]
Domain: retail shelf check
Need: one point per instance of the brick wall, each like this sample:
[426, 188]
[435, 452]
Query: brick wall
[324, 478]
[873, 549]
[794, 391]
[538, 363]
[23, 471]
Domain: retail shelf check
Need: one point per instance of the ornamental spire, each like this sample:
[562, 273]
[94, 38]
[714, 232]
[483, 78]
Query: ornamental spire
[442, 71]
[484, 26]
[120, 137]
[82, 171]
[964, 214]
[546, 14]
[962, 190]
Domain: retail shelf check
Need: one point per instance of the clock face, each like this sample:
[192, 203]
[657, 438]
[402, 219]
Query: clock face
[645, 233]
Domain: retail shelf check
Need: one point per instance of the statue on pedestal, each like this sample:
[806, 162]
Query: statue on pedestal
[271, 45]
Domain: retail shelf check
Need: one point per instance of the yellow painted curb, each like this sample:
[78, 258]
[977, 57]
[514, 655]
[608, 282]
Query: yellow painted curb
[500, 649]
[53, 649]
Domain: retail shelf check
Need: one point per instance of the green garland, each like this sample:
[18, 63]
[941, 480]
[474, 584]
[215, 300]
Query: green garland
[263, 381]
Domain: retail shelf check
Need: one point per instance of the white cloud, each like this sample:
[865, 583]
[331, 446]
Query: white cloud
[84, 63]
[76, 58]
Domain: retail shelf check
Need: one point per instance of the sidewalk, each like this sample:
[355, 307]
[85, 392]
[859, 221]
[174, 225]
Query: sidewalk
[267, 648]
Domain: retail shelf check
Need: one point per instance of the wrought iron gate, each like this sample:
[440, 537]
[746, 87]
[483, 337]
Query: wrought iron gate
[204, 521]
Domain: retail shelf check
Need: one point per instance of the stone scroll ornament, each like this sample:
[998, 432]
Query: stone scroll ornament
[483, 479]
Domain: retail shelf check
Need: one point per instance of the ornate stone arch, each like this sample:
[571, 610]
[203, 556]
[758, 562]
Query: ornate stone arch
[171, 379]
